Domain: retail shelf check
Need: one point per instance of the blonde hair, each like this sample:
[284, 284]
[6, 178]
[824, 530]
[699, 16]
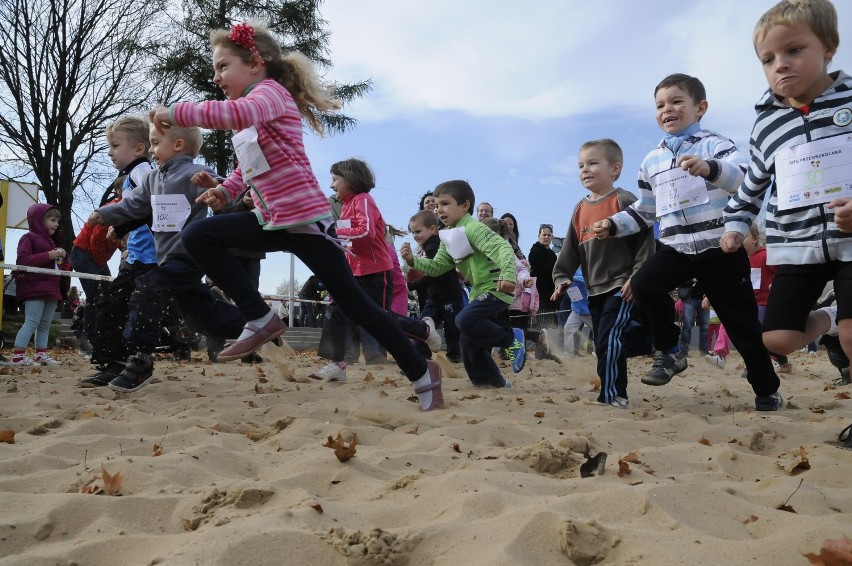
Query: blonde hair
[52, 212]
[136, 128]
[819, 15]
[293, 71]
[756, 235]
[611, 150]
[191, 136]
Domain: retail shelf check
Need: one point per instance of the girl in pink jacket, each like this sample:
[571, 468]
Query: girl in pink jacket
[268, 94]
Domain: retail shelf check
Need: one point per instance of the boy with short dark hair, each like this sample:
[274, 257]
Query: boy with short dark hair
[607, 265]
[686, 182]
[443, 293]
[801, 155]
[168, 195]
[488, 262]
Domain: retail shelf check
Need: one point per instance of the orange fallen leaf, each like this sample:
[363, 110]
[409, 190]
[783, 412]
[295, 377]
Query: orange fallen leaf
[158, 450]
[816, 409]
[834, 552]
[750, 519]
[842, 395]
[258, 388]
[90, 415]
[538, 414]
[632, 457]
[797, 464]
[7, 436]
[200, 395]
[596, 384]
[704, 441]
[389, 381]
[369, 377]
[623, 468]
[93, 489]
[786, 508]
[316, 506]
[456, 447]
[112, 483]
[342, 451]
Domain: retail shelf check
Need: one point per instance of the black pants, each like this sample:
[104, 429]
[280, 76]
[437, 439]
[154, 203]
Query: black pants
[112, 309]
[177, 284]
[726, 280]
[207, 241]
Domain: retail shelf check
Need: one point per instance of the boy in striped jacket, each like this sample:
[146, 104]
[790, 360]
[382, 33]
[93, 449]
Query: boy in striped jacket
[685, 182]
[801, 155]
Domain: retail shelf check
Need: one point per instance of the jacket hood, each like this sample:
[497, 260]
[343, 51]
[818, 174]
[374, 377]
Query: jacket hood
[35, 222]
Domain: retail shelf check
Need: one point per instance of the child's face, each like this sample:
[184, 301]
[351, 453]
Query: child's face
[163, 147]
[430, 203]
[794, 61]
[123, 151]
[676, 110]
[52, 224]
[450, 211]
[232, 74]
[596, 173]
[341, 187]
[749, 244]
[420, 232]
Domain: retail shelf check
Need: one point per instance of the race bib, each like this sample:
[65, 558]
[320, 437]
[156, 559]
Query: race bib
[675, 189]
[456, 242]
[814, 172]
[574, 294]
[170, 212]
[755, 277]
[249, 155]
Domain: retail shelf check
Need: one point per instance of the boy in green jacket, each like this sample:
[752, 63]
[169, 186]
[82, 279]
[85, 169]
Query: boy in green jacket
[488, 262]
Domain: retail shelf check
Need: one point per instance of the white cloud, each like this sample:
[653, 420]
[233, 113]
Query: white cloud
[547, 59]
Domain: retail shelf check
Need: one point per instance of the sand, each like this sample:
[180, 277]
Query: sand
[243, 477]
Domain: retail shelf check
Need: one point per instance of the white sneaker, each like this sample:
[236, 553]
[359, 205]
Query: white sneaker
[45, 360]
[25, 361]
[832, 316]
[715, 360]
[331, 372]
[433, 339]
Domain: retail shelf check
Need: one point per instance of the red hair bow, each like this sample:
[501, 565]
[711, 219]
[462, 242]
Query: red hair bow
[243, 35]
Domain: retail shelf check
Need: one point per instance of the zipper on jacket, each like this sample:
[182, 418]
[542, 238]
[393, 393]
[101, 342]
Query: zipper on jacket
[822, 214]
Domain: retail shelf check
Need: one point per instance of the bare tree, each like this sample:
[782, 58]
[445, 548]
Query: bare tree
[67, 69]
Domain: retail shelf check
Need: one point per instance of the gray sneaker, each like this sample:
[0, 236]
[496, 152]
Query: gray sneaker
[665, 367]
[772, 402]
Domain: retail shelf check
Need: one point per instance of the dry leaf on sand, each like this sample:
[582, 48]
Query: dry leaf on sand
[341, 450]
[7, 436]
[797, 464]
[112, 483]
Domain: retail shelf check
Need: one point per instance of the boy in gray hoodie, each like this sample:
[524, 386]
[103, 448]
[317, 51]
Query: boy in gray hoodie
[166, 199]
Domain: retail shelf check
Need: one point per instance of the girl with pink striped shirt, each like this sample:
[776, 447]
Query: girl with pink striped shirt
[267, 96]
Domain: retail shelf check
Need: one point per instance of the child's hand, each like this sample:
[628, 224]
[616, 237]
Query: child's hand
[696, 166]
[601, 228]
[204, 179]
[213, 198]
[95, 219]
[731, 241]
[528, 283]
[159, 116]
[507, 287]
[57, 253]
[705, 304]
[842, 213]
[559, 290]
[626, 292]
[111, 235]
[407, 255]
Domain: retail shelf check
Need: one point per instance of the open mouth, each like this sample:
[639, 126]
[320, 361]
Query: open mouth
[669, 119]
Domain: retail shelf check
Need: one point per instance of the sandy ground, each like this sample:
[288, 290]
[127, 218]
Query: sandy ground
[243, 477]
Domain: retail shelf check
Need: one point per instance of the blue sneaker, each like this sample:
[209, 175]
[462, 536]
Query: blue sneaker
[517, 352]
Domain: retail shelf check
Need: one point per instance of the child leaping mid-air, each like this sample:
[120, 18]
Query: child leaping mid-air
[267, 96]
[802, 131]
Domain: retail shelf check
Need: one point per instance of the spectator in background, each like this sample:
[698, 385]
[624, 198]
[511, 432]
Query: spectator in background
[484, 210]
[542, 259]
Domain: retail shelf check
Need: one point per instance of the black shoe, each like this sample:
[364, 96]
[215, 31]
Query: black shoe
[101, 379]
[846, 437]
[835, 352]
[182, 354]
[665, 367]
[214, 346]
[455, 359]
[772, 402]
[137, 374]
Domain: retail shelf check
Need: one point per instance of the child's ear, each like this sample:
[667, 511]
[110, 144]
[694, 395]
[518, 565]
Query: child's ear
[141, 149]
[433, 229]
[180, 145]
[702, 108]
[466, 205]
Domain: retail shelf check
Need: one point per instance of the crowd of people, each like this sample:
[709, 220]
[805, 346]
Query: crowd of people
[710, 265]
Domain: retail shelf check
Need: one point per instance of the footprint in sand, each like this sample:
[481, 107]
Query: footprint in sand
[586, 543]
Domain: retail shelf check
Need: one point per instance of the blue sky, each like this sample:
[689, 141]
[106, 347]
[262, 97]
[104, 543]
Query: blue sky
[502, 94]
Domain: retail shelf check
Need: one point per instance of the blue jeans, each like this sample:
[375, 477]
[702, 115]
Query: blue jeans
[38, 314]
[208, 240]
[482, 330]
[692, 314]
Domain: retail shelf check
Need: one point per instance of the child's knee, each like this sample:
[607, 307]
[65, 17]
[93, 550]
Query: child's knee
[782, 341]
